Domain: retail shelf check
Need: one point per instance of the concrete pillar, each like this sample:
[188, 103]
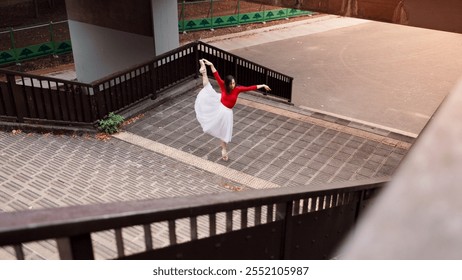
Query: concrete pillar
[109, 36]
[165, 25]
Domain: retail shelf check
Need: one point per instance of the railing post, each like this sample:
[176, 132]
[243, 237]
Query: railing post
[238, 12]
[77, 247]
[235, 68]
[52, 39]
[359, 205]
[13, 45]
[94, 103]
[290, 90]
[153, 75]
[266, 81]
[211, 14]
[196, 60]
[284, 212]
[17, 97]
[182, 16]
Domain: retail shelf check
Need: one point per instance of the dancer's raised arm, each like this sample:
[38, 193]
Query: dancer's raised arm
[212, 67]
[267, 88]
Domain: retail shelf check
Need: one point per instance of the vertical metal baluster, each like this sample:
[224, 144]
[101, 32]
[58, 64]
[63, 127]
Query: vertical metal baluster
[172, 232]
[244, 218]
[19, 252]
[257, 215]
[305, 205]
[148, 237]
[212, 224]
[193, 224]
[341, 199]
[119, 242]
[229, 221]
[269, 213]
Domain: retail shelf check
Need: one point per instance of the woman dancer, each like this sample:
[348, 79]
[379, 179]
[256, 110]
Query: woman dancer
[213, 110]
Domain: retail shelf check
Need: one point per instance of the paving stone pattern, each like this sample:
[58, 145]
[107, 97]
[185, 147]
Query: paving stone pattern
[45, 170]
[273, 147]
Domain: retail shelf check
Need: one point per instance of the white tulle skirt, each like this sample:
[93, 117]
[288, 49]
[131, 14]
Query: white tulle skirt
[215, 118]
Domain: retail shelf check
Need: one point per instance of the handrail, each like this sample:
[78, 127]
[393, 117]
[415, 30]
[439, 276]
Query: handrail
[39, 77]
[28, 226]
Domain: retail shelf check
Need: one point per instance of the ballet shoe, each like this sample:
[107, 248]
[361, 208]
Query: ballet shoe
[202, 69]
[224, 155]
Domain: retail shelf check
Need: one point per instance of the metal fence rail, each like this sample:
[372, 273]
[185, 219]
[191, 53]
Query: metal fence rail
[13, 49]
[32, 99]
[285, 223]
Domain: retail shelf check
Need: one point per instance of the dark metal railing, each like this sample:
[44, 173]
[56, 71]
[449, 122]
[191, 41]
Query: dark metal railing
[284, 223]
[27, 98]
[32, 98]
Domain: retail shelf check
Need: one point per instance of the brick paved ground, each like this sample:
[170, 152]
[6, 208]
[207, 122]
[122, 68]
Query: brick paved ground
[284, 147]
[41, 171]
[274, 143]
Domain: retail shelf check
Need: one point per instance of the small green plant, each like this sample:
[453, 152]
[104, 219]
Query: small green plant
[111, 123]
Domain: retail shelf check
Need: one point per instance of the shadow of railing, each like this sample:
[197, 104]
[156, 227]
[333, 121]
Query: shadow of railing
[284, 223]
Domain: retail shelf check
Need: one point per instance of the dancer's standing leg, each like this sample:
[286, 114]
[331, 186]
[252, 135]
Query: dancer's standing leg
[224, 151]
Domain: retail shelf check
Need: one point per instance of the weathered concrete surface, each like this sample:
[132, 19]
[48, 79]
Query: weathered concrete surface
[388, 75]
[418, 215]
[441, 15]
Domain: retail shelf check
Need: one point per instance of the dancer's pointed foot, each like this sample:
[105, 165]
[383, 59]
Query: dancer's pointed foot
[224, 155]
[202, 69]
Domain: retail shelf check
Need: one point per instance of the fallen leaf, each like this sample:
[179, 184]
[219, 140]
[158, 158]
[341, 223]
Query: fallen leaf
[233, 188]
[103, 137]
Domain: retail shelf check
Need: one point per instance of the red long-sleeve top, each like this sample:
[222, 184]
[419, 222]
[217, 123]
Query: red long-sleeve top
[229, 100]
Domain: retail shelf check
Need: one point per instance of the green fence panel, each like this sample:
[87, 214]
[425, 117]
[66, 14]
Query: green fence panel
[63, 47]
[7, 57]
[237, 19]
[35, 51]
